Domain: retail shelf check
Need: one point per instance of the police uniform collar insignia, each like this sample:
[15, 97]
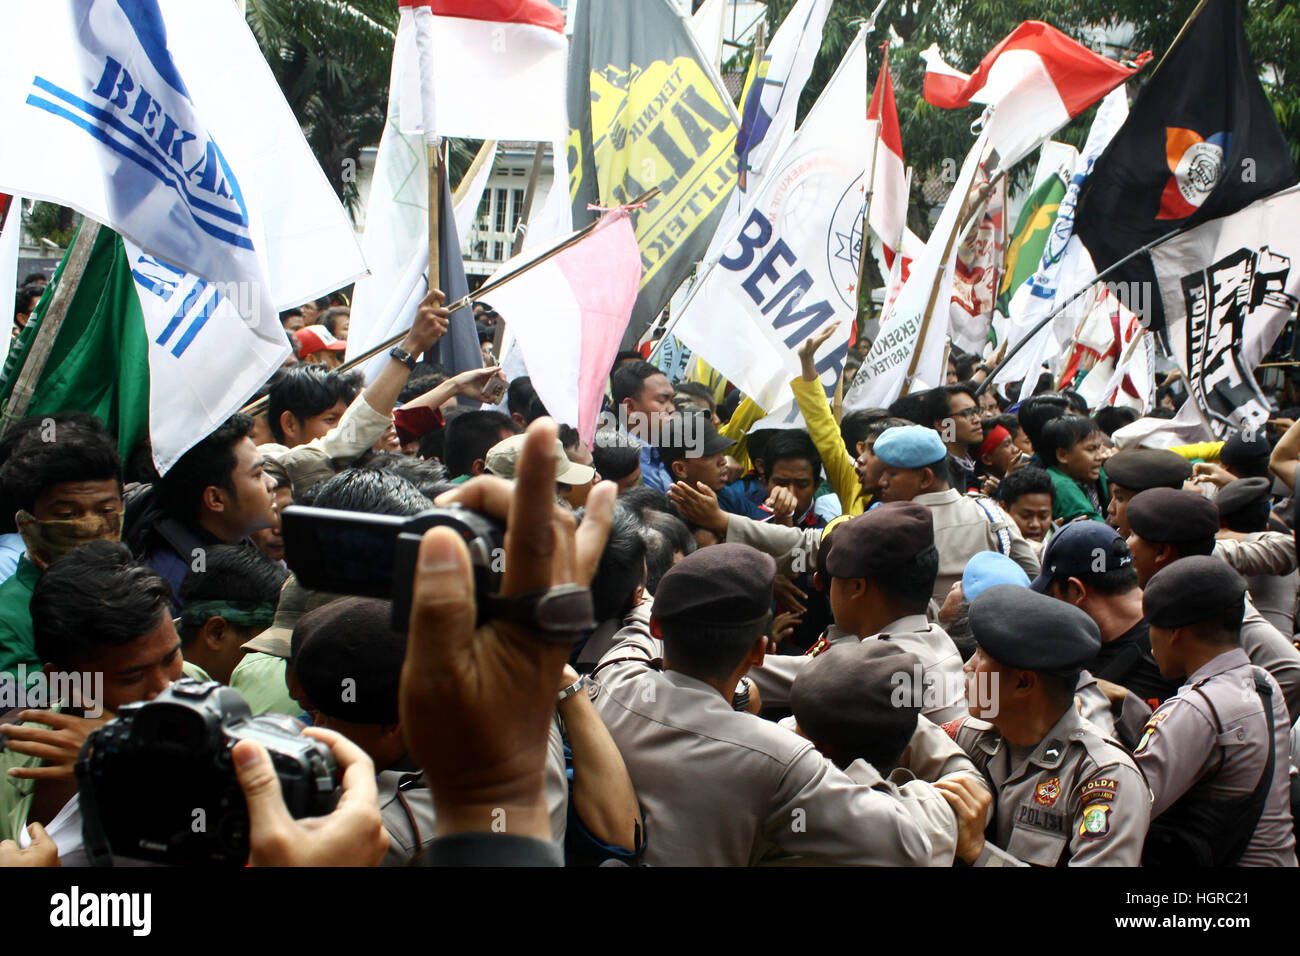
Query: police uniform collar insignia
[821, 645]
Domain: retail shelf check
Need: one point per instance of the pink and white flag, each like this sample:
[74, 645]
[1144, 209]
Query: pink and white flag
[1037, 80]
[498, 69]
[568, 315]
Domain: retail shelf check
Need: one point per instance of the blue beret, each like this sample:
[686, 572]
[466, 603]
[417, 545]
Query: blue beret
[910, 446]
[987, 569]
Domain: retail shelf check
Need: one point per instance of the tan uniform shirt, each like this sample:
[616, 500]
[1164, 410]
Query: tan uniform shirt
[966, 525]
[941, 685]
[1185, 750]
[722, 788]
[1077, 799]
[1269, 649]
[611, 633]
[1267, 560]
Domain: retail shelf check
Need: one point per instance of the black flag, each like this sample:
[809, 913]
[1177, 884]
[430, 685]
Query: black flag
[1200, 142]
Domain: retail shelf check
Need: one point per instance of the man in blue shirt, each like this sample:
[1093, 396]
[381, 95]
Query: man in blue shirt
[643, 400]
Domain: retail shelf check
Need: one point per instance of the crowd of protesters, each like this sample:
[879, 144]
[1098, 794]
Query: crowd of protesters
[974, 627]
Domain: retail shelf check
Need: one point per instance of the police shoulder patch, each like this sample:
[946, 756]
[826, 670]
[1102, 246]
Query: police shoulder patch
[1096, 820]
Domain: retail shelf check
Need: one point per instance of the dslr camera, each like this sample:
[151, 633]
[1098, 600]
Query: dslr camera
[371, 555]
[158, 783]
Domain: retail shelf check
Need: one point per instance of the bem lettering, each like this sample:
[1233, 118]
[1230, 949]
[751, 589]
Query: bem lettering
[767, 270]
[114, 84]
[788, 299]
[749, 244]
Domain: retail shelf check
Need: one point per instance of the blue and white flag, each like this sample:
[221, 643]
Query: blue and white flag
[1065, 266]
[161, 119]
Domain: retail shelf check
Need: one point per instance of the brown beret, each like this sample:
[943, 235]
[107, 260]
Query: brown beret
[720, 584]
[1138, 469]
[1194, 589]
[884, 538]
[848, 695]
[1172, 516]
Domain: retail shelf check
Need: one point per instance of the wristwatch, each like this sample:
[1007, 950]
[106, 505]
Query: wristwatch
[572, 689]
[403, 356]
[740, 699]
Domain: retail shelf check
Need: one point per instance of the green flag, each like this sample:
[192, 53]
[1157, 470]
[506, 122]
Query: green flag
[1033, 226]
[100, 360]
[644, 111]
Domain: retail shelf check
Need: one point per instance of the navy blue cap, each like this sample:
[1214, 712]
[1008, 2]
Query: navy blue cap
[909, 446]
[1081, 549]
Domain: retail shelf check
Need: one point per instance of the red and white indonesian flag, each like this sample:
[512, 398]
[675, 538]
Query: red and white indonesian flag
[888, 216]
[1036, 80]
[497, 69]
[568, 315]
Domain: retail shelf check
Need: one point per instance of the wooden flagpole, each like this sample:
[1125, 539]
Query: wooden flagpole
[462, 187]
[43, 342]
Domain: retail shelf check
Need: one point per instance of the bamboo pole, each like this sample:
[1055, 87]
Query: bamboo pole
[521, 231]
[51, 322]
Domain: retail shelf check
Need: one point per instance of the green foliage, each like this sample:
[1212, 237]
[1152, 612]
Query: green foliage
[332, 60]
[51, 221]
[967, 29]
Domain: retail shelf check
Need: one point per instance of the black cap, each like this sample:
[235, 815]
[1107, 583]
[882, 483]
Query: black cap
[1241, 494]
[1080, 550]
[1245, 447]
[1138, 469]
[884, 538]
[722, 584]
[349, 660]
[690, 435]
[1172, 516]
[1194, 589]
[847, 696]
[1023, 629]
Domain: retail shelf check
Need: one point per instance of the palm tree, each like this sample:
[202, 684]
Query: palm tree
[331, 59]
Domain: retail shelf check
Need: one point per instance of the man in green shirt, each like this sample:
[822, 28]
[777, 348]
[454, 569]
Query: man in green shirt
[103, 627]
[65, 480]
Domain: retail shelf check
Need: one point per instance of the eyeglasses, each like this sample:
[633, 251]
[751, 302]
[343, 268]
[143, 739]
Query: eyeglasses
[972, 412]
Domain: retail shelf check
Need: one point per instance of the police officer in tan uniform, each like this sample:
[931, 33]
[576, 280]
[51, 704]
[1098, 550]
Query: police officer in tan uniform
[1064, 793]
[1216, 753]
[880, 570]
[1169, 525]
[720, 787]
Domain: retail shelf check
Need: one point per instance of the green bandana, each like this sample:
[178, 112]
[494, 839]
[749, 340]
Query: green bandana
[238, 613]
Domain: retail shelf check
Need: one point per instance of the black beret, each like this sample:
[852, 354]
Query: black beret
[1023, 629]
[1245, 446]
[1172, 516]
[1194, 589]
[886, 537]
[1138, 469]
[349, 660]
[720, 584]
[847, 696]
[1241, 494]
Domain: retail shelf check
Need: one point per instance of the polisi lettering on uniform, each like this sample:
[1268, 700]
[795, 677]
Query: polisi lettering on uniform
[1040, 819]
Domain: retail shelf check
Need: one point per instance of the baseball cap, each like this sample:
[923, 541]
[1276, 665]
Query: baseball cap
[1081, 549]
[503, 457]
[314, 338]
